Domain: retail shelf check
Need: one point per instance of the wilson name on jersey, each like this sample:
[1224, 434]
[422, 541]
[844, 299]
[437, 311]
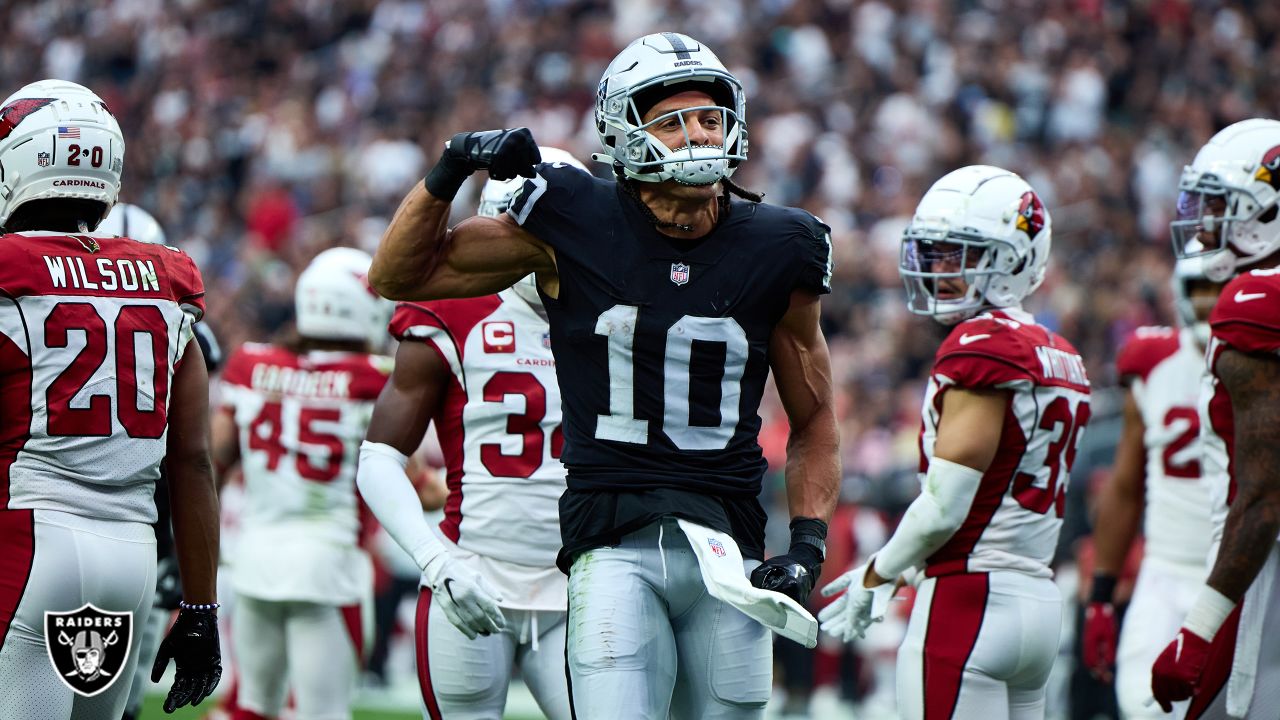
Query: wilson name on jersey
[301, 419]
[1164, 368]
[91, 332]
[498, 424]
[1015, 518]
[667, 340]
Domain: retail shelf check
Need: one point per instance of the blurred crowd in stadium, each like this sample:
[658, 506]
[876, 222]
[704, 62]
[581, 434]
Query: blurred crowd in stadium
[263, 131]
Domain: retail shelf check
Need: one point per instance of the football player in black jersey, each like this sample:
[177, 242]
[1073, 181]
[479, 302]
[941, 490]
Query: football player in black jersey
[671, 292]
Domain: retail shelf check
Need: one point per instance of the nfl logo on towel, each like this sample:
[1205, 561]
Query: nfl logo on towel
[716, 547]
[679, 273]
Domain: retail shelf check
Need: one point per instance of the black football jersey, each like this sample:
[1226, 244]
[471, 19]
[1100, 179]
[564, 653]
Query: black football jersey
[661, 344]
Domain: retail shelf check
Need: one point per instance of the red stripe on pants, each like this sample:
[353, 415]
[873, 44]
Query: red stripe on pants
[955, 617]
[1217, 669]
[17, 554]
[355, 629]
[424, 663]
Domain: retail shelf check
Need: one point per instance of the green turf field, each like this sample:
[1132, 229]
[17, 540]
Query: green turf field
[152, 709]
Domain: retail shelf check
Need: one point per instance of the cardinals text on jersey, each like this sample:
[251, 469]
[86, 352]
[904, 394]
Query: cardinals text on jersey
[499, 428]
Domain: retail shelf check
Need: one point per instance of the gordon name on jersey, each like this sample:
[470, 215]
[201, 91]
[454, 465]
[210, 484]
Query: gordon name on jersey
[91, 331]
[667, 339]
[1014, 521]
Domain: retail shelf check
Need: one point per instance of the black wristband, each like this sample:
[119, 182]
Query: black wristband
[1104, 588]
[808, 540]
[446, 178]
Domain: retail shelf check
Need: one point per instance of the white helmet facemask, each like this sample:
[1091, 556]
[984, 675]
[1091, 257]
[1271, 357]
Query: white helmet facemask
[653, 68]
[1228, 210]
[980, 228]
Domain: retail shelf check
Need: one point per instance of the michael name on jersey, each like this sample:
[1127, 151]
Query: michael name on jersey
[295, 381]
[111, 274]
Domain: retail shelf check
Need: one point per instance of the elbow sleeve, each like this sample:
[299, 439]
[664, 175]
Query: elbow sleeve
[390, 495]
[932, 518]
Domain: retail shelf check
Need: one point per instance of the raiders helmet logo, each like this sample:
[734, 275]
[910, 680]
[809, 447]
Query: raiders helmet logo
[88, 647]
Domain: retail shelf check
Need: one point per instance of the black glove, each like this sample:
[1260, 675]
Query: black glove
[795, 573]
[192, 643]
[504, 153]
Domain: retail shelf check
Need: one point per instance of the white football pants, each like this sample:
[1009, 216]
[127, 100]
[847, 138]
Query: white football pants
[465, 679]
[56, 561]
[312, 649]
[979, 646]
[1162, 597]
[646, 640]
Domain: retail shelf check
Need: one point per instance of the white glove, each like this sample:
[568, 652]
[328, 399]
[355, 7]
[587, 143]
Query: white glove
[855, 611]
[464, 596]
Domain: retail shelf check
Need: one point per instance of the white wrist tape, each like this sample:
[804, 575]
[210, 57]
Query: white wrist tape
[1208, 614]
[933, 517]
[390, 495]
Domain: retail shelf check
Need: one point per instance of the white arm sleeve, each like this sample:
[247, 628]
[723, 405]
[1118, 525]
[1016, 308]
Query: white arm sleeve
[932, 518]
[390, 495]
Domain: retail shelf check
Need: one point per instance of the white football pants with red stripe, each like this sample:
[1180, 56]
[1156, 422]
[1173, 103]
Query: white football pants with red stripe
[979, 646]
[310, 649]
[646, 640]
[465, 679]
[56, 561]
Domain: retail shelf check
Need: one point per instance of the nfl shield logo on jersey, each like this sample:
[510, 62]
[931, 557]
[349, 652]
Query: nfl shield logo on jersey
[679, 273]
[88, 647]
[716, 547]
[43, 159]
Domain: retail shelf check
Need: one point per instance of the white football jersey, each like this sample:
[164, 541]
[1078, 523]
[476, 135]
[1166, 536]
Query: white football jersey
[1016, 515]
[1164, 368]
[91, 331]
[499, 429]
[301, 419]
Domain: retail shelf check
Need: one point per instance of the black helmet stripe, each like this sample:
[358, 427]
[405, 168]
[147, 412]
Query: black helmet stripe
[677, 44]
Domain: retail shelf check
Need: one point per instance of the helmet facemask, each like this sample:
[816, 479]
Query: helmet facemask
[647, 71]
[689, 163]
[1225, 225]
[947, 271]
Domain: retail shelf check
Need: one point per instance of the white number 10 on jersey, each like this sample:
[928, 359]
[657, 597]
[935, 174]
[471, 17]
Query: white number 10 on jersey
[618, 325]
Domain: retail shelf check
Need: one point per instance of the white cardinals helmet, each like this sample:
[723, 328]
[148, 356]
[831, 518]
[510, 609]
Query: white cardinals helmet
[334, 300]
[980, 238]
[1227, 204]
[131, 221]
[648, 70]
[58, 140]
